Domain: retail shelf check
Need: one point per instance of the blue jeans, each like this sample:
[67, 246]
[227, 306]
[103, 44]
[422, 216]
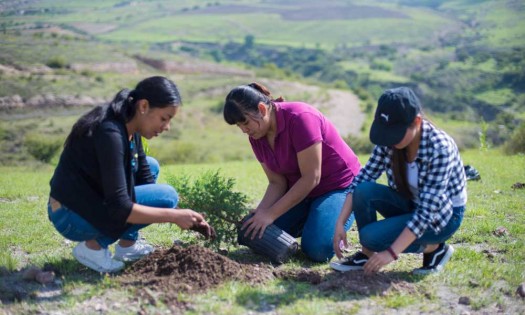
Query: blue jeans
[370, 198]
[73, 227]
[314, 220]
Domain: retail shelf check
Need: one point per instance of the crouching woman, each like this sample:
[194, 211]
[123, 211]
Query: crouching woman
[424, 201]
[103, 188]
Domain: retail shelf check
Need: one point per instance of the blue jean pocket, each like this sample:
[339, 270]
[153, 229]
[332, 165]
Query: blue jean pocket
[60, 220]
[70, 225]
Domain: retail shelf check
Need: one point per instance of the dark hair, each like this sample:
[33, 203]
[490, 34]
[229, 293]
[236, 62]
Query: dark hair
[159, 91]
[399, 167]
[244, 100]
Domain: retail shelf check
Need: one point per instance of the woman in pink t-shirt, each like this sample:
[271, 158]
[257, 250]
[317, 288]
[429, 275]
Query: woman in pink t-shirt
[308, 165]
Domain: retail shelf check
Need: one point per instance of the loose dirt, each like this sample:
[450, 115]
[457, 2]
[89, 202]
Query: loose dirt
[166, 273]
[192, 269]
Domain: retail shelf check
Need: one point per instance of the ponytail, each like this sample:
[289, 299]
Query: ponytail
[158, 91]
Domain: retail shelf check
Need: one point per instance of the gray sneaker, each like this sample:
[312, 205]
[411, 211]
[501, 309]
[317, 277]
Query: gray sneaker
[98, 260]
[434, 261]
[133, 252]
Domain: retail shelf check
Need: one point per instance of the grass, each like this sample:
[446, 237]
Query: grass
[487, 268]
[159, 21]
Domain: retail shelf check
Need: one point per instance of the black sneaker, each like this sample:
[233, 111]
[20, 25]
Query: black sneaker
[434, 261]
[355, 262]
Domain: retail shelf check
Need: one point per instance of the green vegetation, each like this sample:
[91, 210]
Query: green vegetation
[213, 195]
[487, 267]
[464, 57]
[42, 148]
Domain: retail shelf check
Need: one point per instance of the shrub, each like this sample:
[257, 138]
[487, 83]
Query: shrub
[213, 195]
[178, 152]
[57, 63]
[516, 143]
[42, 147]
[360, 145]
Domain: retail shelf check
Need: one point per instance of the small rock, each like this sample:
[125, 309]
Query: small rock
[100, 307]
[45, 277]
[521, 290]
[30, 273]
[501, 231]
[465, 300]
[473, 283]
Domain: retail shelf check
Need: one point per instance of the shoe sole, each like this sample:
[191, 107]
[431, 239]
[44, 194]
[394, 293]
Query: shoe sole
[344, 268]
[439, 267]
[88, 263]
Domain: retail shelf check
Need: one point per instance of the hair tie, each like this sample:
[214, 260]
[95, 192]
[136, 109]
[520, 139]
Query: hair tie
[132, 95]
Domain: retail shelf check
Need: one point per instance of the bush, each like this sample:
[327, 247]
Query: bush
[42, 147]
[360, 145]
[516, 143]
[178, 152]
[213, 195]
[57, 63]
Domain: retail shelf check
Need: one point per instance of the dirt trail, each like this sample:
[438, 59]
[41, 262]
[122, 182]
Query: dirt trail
[340, 107]
[344, 112]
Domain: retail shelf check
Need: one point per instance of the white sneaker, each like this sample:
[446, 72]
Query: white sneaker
[98, 260]
[133, 252]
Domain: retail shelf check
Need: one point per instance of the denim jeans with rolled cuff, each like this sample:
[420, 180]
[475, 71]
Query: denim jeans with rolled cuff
[314, 219]
[73, 227]
[369, 198]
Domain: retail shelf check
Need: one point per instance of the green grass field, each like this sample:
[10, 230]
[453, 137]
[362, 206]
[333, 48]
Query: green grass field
[485, 267]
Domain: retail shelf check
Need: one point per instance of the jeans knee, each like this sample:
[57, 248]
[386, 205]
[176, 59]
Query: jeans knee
[170, 195]
[317, 249]
[154, 167]
[369, 239]
[362, 192]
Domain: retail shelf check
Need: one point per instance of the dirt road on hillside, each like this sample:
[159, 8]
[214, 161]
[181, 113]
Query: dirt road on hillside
[340, 107]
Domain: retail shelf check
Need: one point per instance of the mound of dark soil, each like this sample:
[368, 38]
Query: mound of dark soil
[191, 269]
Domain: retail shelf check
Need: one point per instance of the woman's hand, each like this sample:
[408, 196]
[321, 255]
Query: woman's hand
[257, 223]
[187, 218]
[339, 239]
[205, 229]
[378, 261]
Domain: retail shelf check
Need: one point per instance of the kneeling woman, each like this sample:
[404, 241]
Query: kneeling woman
[103, 188]
[424, 201]
[308, 165]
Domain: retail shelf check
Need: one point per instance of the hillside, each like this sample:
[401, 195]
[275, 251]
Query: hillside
[465, 58]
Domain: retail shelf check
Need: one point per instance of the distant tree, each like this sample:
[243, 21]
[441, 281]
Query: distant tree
[249, 41]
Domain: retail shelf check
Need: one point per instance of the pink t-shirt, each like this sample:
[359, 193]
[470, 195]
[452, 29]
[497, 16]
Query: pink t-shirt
[299, 126]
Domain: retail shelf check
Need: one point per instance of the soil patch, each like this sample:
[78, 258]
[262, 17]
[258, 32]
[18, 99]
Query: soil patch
[352, 281]
[195, 269]
[165, 273]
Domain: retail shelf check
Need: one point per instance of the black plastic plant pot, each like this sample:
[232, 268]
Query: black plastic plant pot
[275, 244]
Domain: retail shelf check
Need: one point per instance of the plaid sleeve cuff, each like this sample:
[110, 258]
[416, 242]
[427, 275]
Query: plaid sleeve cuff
[417, 225]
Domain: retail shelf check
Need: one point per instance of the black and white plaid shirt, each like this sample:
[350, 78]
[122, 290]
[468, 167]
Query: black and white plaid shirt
[441, 177]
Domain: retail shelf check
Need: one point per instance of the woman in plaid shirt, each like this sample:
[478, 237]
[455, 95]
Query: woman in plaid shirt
[424, 201]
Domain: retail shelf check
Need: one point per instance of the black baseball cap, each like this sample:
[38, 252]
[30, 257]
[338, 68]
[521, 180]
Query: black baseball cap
[396, 110]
